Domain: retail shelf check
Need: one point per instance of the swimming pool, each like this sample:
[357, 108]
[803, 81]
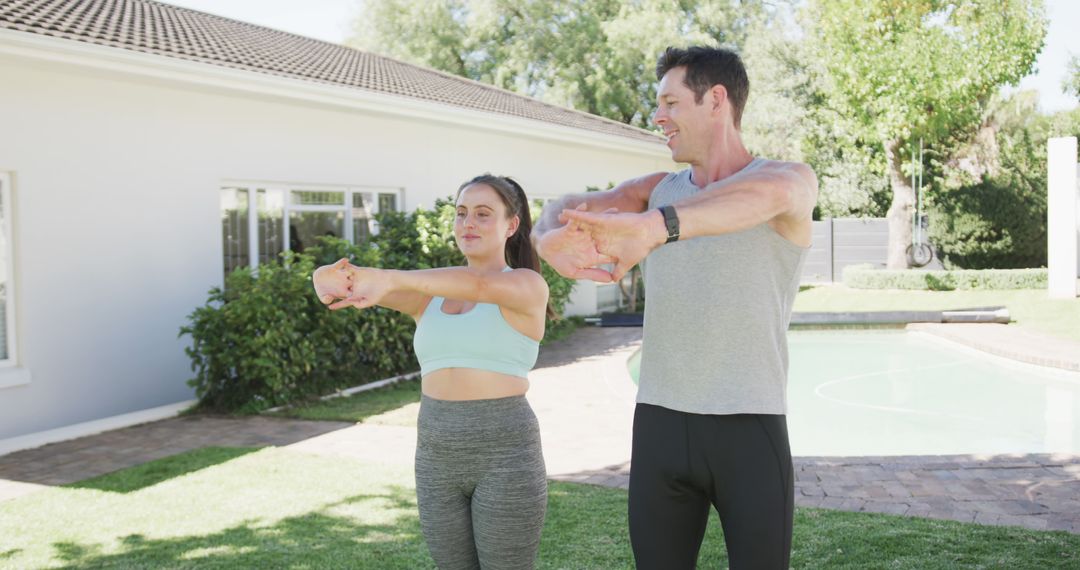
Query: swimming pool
[901, 393]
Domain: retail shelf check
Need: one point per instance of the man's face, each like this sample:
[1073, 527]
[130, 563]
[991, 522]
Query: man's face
[688, 125]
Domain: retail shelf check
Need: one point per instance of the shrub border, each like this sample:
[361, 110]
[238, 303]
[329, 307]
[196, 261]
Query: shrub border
[869, 277]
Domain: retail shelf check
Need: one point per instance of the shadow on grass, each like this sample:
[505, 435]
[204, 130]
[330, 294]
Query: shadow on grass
[148, 474]
[319, 539]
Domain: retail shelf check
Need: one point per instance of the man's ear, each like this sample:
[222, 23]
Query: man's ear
[719, 97]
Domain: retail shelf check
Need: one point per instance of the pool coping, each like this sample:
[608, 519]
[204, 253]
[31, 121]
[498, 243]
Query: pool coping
[1008, 341]
[972, 315]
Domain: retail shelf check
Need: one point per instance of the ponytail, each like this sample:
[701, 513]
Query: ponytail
[520, 252]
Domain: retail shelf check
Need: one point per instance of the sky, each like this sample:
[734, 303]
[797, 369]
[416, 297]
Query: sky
[331, 20]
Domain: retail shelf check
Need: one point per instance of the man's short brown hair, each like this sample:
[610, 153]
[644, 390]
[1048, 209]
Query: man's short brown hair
[706, 67]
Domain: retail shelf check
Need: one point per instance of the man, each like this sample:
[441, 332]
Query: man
[725, 241]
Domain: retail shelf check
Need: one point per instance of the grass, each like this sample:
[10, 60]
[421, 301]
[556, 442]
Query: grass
[248, 508]
[396, 404]
[1028, 308]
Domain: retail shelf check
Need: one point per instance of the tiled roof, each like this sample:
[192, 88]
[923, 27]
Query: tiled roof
[163, 29]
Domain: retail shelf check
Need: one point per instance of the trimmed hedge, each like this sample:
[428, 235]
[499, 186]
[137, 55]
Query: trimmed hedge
[868, 277]
[265, 340]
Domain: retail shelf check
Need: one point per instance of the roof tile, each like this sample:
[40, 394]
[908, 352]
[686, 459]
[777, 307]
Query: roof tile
[163, 29]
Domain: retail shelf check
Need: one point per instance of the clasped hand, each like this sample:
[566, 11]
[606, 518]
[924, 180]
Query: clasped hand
[590, 239]
[342, 285]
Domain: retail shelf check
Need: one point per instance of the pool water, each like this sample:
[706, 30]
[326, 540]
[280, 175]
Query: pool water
[899, 393]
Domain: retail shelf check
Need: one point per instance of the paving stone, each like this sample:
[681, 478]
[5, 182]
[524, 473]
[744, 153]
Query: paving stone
[885, 507]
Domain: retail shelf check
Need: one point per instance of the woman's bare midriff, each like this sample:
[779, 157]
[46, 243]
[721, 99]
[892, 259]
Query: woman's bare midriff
[471, 384]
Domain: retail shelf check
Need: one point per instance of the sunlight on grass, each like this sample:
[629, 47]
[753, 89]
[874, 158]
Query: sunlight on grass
[280, 508]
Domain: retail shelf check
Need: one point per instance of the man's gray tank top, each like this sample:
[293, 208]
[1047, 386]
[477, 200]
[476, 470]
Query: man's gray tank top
[717, 310]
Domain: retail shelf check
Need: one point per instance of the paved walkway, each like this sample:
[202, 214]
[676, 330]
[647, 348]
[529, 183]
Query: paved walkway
[584, 397]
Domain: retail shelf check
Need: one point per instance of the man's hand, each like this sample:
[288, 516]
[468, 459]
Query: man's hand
[332, 281]
[623, 238]
[571, 251]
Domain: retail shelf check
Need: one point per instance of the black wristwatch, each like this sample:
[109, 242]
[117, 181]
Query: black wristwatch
[671, 221]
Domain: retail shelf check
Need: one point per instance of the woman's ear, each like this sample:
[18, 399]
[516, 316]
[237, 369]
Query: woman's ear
[514, 223]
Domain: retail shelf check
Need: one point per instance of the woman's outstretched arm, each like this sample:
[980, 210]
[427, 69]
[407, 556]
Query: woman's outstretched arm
[521, 291]
[334, 283]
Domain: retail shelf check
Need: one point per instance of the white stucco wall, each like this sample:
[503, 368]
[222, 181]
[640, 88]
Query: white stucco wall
[116, 212]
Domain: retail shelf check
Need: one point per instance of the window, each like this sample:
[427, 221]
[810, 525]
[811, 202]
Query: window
[259, 221]
[7, 274]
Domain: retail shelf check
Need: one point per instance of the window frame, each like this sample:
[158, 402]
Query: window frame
[254, 188]
[10, 335]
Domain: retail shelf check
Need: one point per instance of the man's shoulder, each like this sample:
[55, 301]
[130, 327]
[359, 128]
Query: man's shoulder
[785, 165]
[674, 177]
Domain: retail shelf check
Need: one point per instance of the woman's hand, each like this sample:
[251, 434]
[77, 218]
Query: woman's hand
[368, 287]
[332, 281]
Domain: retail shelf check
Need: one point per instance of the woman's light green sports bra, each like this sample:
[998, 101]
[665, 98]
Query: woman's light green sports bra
[480, 338]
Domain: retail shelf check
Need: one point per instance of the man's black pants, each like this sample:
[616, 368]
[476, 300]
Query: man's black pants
[681, 463]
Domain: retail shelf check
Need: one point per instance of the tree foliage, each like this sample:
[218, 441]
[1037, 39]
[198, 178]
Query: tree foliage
[907, 70]
[596, 56]
[989, 206]
[1071, 84]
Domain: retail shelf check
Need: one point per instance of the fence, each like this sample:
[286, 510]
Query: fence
[839, 242]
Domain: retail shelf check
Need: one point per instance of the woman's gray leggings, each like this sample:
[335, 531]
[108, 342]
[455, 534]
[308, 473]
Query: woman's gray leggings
[481, 484]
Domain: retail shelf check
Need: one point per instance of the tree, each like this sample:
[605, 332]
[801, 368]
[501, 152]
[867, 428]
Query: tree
[596, 56]
[989, 205]
[902, 71]
[1071, 84]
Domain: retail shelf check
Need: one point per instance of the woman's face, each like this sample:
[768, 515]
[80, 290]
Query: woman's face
[481, 226]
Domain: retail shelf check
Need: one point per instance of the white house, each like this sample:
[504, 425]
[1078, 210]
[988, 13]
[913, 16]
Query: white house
[136, 137]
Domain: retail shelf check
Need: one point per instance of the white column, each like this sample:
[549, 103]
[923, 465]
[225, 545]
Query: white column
[1063, 218]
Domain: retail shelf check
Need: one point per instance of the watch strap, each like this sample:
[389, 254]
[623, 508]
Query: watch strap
[671, 222]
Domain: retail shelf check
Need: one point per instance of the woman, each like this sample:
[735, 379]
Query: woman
[481, 483]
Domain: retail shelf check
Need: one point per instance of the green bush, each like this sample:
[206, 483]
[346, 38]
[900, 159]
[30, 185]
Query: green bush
[265, 340]
[867, 277]
[997, 220]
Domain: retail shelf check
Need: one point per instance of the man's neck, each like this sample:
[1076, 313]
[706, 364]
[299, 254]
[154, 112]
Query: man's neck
[726, 156]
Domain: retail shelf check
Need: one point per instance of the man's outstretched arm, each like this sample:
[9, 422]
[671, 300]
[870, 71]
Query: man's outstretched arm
[629, 196]
[779, 191]
[784, 192]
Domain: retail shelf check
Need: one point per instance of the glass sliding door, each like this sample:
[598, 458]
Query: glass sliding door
[271, 224]
[235, 228]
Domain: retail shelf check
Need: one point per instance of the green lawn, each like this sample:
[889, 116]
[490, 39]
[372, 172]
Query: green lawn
[1028, 308]
[396, 404]
[248, 508]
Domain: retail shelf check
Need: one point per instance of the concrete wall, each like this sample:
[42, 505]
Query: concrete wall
[1063, 218]
[117, 217]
